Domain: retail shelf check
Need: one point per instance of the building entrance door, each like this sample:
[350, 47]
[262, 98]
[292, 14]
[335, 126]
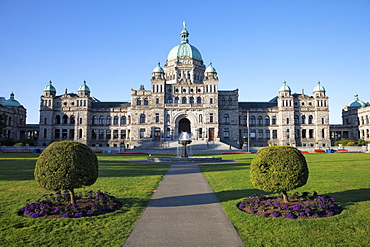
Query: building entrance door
[211, 134]
[157, 134]
[184, 125]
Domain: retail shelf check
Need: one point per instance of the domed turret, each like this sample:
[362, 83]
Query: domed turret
[284, 90]
[84, 90]
[356, 102]
[11, 101]
[210, 69]
[50, 87]
[158, 69]
[184, 48]
[319, 88]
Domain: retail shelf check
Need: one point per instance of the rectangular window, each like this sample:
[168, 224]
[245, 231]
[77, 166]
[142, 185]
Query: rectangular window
[64, 133]
[211, 117]
[274, 134]
[71, 134]
[45, 133]
[267, 134]
[310, 133]
[123, 134]
[115, 134]
[200, 133]
[260, 134]
[142, 133]
[323, 120]
[157, 117]
[108, 134]
[168, 132]
[304, 134]
[323, 133]
[253, 134]
[226, 133]
[93, 134]
[80, 133]
[101, 134]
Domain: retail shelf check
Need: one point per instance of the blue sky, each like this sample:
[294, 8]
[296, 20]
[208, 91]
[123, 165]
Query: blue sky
[254, 46]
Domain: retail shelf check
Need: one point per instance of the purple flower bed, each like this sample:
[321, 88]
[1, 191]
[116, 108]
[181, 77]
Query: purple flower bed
[88, 203]
[300, 206]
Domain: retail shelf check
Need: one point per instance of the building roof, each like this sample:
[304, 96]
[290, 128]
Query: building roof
[284, 87]
[110, 104]
[11, 101]
[84, 87]
[184, 48]
[356, 102]
[319, 87]
[257, 104]
[50, 87]
[210, 68]
[158, 68]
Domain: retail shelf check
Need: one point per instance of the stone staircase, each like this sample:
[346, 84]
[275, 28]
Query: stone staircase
[172, 147]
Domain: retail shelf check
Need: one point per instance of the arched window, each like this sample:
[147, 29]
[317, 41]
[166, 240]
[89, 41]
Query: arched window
[267, 120]
[184, 100]
[260, 120]
[296, 119]
[123, 120]
[222, 101]
[142, 118]
[129, 119]
[245, 120]
[65, 119]
[310, 119]
[109, 120]
[303, 119]
[176, 100]
[101, 120]
[200, 118]
[146, 101]
[72, 120]
[253, 120]
[57, 119]
[95, 120]
[138, 101]
[226, 118]
[230, 101]
[169, 100]
[273, 120]
[199, 100]
[115, 120]
[191, 100]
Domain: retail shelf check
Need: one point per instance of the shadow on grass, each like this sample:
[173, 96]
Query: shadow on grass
[349, 197]
[201, 199]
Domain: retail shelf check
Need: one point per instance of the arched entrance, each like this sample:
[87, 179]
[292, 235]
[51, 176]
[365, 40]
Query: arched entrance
[184, 125]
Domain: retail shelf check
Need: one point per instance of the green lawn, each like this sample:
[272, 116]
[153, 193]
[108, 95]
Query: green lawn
[131, 183]
[346, 177]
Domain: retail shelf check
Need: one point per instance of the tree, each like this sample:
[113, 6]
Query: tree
[278, 169]
[66, 165]
[2, 123]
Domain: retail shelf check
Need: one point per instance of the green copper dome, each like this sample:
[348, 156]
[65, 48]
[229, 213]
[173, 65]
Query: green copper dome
[210, 68]
[158, 68]
[11, 101]
[357, 102]
[184, 48]
[84, 87]
[284, 87]
[50, 87]
[319, 87]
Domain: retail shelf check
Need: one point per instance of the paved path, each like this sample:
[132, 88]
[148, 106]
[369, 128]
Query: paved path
[183, 211]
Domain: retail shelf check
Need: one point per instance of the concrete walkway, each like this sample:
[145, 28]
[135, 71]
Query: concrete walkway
[184, 211]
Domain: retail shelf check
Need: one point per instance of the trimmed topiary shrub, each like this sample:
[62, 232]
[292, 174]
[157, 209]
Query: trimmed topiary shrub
[66, 165]
[278, 169]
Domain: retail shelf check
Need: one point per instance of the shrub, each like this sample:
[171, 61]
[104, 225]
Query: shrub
[66, 165]
[278, 169]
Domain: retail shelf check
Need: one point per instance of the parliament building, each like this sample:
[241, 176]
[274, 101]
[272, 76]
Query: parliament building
[185, 96]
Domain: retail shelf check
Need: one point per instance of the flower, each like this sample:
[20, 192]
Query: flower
[276, 214]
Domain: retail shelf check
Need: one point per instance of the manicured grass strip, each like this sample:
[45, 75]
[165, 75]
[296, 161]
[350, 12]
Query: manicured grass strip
[342, 176]
[132, 184]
